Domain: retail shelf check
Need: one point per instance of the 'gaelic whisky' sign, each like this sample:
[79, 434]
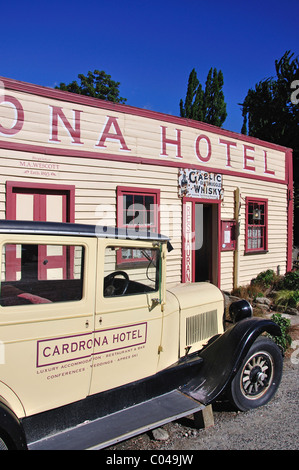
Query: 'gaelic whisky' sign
[200, 184]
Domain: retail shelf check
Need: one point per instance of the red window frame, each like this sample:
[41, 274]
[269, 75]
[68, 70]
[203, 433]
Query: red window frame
[137, 198]
[256, 233]
[40, 192]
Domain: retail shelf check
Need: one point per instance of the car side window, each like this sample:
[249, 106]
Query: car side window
[138, 278]
[41, 274]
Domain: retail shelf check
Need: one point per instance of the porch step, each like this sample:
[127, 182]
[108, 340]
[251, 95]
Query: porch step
[124, 424]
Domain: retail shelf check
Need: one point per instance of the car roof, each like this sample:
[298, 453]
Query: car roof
[78, 230]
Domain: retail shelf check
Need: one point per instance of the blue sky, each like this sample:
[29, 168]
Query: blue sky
[149, 46]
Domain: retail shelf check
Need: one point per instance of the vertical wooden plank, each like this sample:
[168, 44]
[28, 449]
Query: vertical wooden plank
[204, 418]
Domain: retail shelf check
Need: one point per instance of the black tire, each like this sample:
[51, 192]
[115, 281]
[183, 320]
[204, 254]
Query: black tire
[5, 443]
[12, 436]
[258, 378]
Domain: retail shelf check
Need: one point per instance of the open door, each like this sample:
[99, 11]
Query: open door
[201, 254]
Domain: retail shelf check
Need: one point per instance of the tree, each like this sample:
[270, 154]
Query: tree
[214, 99]
[205, 105]
[271, 112]
[96, 84]
[194, 105]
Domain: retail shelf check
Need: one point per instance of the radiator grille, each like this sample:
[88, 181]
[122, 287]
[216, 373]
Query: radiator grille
[201, 326]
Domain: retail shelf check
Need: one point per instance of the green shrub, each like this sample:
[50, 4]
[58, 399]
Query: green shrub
[290, 281]
[287, 298]
[265, 279]
[285, 339]
[260, 294]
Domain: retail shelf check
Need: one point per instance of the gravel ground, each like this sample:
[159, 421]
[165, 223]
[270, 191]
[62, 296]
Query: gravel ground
[274, 426]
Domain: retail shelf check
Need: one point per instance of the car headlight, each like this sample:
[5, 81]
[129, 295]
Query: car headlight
[239, 310]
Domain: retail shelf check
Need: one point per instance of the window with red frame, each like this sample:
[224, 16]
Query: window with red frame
[256, 225]
[137, 209]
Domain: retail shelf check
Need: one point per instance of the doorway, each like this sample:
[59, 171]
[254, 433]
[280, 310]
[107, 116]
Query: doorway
[204, 262]
[206, 253]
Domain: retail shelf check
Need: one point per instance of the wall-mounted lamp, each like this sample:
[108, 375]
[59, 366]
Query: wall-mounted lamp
[257, 214]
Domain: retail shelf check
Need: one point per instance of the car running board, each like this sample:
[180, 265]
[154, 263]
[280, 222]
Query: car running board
[124, 424]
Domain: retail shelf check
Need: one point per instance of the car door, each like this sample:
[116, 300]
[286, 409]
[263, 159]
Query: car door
[128, 319]
[46, 325]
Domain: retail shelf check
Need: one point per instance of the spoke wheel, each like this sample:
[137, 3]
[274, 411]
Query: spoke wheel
[258, 378]
[257, 375]
[3, 445]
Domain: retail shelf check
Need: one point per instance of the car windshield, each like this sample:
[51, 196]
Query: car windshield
[129, 271]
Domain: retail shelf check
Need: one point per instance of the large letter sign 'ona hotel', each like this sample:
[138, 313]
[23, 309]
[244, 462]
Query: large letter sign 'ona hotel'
[224, 199]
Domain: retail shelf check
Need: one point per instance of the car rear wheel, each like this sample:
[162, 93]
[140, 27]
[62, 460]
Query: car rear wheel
[3, 444]
[258, 378]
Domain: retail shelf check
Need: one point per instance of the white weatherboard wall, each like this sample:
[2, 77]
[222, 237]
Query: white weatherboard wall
[58, 138]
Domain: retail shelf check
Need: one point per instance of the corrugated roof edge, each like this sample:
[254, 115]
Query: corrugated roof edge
[81, 230]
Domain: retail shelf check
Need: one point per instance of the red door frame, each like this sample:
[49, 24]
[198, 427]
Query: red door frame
[184, 251]
[13, 187]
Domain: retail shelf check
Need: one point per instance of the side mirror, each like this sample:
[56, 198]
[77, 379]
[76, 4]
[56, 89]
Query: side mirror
[169, 247]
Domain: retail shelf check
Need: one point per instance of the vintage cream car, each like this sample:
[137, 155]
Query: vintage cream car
[95, 348]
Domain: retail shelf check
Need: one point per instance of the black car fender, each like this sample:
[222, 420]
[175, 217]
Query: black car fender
[223, 356]
[11, 429]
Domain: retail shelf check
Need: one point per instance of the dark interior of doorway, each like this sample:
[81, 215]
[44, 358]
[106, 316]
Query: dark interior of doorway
[29, 262]
[204, 255]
